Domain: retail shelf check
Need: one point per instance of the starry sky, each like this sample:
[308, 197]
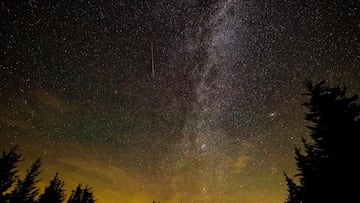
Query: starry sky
[217, 120]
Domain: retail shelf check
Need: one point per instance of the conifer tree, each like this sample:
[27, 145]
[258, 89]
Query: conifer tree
[26, 190]
[325, 166]
[80, 195]
[8, 165]
[53, 193]
[88, 196]
[75, 196]
[294, 191]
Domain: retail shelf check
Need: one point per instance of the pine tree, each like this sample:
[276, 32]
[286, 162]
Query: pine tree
[53, 193]
[324, 168]
[80, 195]
[88, 196]
[8, 165]
[294, 191]
[26, 190]
[76, 195]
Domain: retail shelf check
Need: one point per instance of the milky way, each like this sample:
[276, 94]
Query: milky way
[218, 120]
[204, 138]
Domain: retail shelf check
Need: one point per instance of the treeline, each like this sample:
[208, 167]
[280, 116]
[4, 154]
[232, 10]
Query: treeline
[16, 190]
[327, 166]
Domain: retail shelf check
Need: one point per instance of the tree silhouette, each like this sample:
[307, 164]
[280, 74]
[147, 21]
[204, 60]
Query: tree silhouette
[88, 196]
[294, 191]
[8, 164]
[76, 195]
[53, 193]
[80, 195]
[324, 167]
[26, 190]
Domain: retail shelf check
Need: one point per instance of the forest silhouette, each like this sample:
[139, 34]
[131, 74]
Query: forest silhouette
[325, 162]
[16, 190]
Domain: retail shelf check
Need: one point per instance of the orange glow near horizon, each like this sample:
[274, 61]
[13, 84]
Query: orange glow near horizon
[115, 182]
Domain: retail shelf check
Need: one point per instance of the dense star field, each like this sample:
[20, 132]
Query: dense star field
[217, 118]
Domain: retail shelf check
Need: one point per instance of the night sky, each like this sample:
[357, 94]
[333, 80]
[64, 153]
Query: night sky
[217, 120]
